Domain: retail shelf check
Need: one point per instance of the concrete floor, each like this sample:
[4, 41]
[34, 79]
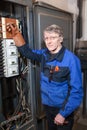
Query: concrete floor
[81, 124]
[80, 121]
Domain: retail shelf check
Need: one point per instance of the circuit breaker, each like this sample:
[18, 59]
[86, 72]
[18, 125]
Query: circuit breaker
[10, 57]
[8, 50]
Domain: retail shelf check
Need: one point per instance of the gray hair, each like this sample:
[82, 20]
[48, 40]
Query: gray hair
[54, 28]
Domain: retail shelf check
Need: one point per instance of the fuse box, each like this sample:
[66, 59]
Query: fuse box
[17, 105]
[10, 57]
[8, 50]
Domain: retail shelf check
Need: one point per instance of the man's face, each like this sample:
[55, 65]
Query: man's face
[52, 41]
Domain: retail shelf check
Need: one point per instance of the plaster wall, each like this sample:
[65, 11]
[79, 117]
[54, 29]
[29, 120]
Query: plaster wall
[66, 5]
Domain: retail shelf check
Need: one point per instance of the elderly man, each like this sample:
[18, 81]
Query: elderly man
[61, 80]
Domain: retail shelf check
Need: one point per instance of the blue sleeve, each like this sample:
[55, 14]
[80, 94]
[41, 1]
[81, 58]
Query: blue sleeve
[29, 53]
[76, 92]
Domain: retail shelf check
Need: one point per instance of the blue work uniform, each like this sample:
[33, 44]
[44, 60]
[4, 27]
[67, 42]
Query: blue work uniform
[60, 79]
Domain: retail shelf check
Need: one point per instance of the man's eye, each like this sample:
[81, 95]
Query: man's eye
[50, 38]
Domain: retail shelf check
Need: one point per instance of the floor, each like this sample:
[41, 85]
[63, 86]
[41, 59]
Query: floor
[80, 126]
[80, 123]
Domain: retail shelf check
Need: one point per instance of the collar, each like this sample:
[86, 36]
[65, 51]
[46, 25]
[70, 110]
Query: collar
[58, 56]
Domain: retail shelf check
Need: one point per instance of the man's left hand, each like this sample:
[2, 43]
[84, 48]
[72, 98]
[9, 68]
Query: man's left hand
[59, 119]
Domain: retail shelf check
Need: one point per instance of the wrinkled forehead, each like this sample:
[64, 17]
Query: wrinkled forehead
[50, 33]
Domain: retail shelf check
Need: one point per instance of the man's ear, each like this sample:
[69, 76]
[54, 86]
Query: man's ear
[61, 39]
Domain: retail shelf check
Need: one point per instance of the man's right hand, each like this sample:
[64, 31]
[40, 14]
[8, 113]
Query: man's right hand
[16, 35]
[12, 29]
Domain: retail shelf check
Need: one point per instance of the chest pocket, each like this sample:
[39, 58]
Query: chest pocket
[56, 73]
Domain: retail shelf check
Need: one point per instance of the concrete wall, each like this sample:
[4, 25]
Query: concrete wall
[66, 5]
[84, 20]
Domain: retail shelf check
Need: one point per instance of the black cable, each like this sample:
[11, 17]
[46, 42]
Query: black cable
[1, 128]
[19, 104]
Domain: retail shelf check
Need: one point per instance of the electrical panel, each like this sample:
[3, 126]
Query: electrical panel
[17, 105]
[10, 57]
[8, 50]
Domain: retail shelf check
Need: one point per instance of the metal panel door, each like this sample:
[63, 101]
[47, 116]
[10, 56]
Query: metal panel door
[45, 15]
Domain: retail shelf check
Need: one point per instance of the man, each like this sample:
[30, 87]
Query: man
[61, 80]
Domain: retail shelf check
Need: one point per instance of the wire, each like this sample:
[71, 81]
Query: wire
[25, 70]
[22, 106]
[1, 128]
[22, 101]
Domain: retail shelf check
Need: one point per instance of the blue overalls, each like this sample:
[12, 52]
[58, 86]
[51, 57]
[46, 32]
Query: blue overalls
[61, 79]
